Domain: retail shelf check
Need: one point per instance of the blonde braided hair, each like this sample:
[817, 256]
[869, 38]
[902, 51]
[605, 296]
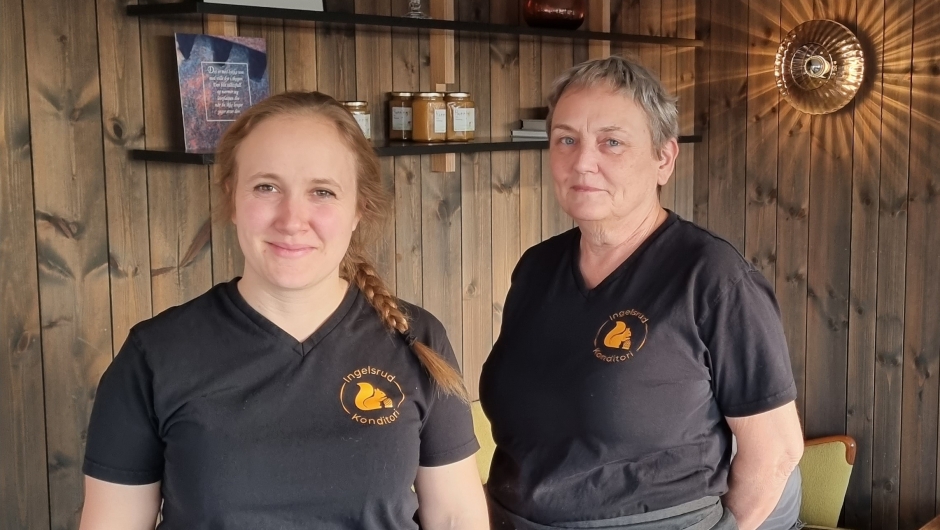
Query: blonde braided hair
[372, 204]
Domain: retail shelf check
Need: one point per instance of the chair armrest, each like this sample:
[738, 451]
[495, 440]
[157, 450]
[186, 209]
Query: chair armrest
[932, 525]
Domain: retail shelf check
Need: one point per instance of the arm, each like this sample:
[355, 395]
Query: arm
[110, 506]
[451, 497]
[770, 445]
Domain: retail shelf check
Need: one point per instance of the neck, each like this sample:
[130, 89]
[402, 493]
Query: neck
[299, 312]
[606, 244]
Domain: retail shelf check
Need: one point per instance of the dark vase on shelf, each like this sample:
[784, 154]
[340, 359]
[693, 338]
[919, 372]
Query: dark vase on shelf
[558, 14]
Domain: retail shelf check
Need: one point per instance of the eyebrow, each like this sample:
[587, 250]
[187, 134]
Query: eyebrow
[276, 177]
[609, 128]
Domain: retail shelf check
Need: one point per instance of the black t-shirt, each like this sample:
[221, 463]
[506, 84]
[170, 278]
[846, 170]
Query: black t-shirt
[610, 401]
[248, 428]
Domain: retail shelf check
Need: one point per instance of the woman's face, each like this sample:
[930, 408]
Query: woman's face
[295, 202]
[602, 158]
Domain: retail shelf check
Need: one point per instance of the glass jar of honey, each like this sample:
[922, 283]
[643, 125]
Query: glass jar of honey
[399, 115]
[461, 116]
[360, 111]
[429, 117]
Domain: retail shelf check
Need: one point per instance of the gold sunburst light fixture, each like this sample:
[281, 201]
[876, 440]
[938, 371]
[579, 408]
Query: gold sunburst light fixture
[819, 66]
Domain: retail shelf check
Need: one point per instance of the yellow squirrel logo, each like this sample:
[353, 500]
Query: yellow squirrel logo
[619, 337]
[371, 398]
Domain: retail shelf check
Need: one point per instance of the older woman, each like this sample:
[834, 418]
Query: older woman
[634, 346]
[303, 394]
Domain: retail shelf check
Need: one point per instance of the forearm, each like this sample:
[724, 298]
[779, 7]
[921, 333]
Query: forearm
[755, 486]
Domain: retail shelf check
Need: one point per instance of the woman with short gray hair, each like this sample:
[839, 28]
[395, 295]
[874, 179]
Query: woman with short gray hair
[635, 345]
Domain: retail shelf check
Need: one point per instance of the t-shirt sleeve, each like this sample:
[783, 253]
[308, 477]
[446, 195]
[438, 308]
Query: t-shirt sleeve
[124, 445]
[747, 349]
[447, 433]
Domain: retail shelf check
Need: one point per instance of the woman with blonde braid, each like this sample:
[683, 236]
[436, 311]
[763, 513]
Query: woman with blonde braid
[302, 394]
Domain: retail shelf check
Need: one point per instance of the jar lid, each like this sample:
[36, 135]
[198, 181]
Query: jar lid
[355, 104]
[428, 95]
[457, 95]
[401, 94]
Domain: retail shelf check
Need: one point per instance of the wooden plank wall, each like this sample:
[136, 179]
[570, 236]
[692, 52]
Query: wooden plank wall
[838, 211]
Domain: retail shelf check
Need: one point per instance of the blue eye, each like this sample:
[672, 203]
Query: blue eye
[613, 143]
[567, 140]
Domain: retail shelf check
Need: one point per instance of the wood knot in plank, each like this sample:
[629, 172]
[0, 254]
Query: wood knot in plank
[117, 271]
[61, 226]
[922, 365]
[888, 359]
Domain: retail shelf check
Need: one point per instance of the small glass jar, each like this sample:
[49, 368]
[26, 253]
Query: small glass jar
[461, 117]
[429, 117]
[360, 111]
[399, 115]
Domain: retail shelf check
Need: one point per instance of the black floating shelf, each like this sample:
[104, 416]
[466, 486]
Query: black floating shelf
[212, 8]
[385, 149]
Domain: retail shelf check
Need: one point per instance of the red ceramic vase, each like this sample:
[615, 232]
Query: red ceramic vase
[558, 14]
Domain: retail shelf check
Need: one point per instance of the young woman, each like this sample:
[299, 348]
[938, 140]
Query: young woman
[302, 394]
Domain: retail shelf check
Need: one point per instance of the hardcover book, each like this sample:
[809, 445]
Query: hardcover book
[219, 78]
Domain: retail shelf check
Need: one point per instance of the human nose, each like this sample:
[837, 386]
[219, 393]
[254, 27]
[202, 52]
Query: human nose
[585, 158]
[291, 214]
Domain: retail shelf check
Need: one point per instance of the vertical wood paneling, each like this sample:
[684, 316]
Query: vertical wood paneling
[727, 113]
[71, 229]
[828, 274]
[373, 82]
[180, 227]
[864, 272]
[478, 335]
[476, 202]
[556, 58]
[703, 86]
[125, 181]
[919, 416]
[530, 162]
[685, 90]
[792, 217]
[408, 229]
[24, 487]
[761, 159]
[892, 252]
[657, 59]
[441, 250]
[405, 77]
[300, 44]
[505, 170]
[336, 75]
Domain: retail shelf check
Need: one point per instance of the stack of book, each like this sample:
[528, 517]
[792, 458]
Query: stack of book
[530, 130]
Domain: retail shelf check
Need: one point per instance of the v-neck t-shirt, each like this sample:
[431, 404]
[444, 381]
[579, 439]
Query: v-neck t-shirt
[248, 427]
[611, 401]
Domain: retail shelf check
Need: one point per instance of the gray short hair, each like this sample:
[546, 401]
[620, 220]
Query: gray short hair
[630, 78]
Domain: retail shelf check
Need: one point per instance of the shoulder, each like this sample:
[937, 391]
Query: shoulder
[706, 253]
[549, 251]
[424, 325]
[178, 323]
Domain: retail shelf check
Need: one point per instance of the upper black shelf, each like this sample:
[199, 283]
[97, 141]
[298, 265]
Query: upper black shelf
[212, 8]
[388, 148]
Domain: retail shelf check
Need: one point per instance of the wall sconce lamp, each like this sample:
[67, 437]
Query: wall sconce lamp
[819, 66]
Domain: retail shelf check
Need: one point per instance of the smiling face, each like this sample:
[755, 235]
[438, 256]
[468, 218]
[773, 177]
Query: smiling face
[295, 202]
[603, 162]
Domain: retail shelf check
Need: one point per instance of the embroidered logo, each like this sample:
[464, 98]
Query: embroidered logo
[371, 396]
[621, 336]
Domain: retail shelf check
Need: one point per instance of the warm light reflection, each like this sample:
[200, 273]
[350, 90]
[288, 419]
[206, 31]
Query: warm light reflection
[819, 66]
